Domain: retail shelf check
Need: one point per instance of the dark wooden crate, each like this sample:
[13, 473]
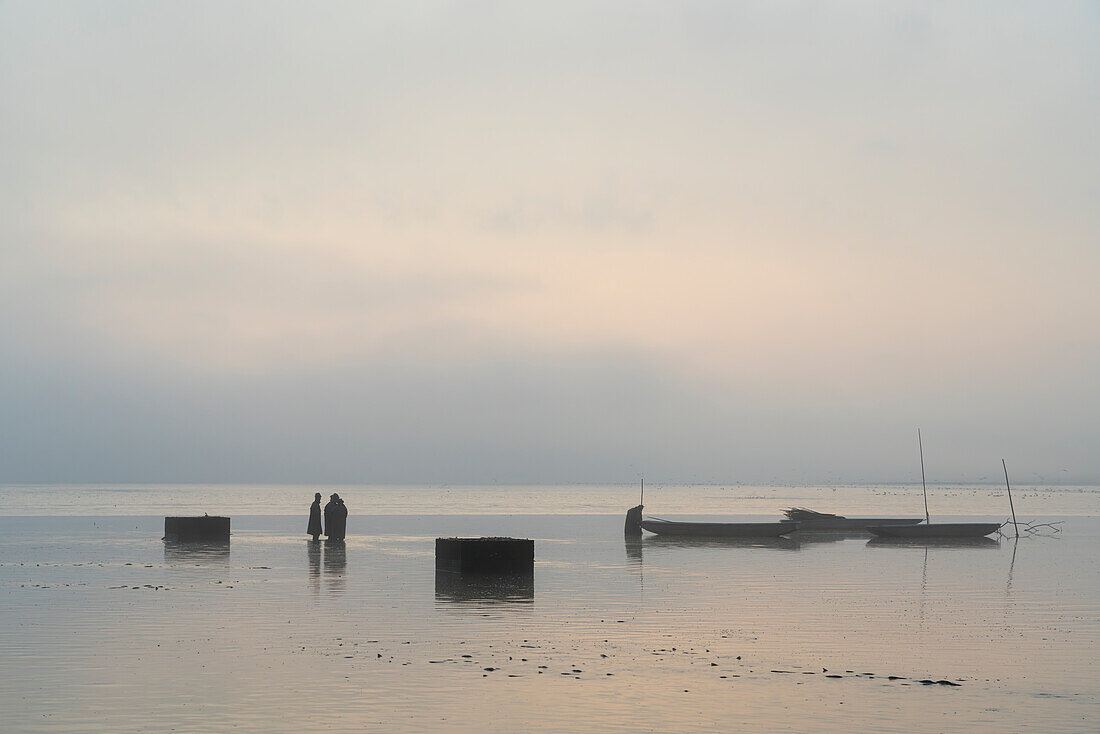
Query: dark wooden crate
[205, 527]
[485, 555]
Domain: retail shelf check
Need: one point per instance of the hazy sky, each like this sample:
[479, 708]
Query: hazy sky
[549, 242]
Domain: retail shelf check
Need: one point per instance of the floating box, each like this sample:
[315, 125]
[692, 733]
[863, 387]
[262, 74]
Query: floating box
[485, 555]
[206, 527]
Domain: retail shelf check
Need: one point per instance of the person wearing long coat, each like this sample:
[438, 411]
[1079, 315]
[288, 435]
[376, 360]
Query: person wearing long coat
[330, 519]
[336, 518]
[315, 517]
[338, 529]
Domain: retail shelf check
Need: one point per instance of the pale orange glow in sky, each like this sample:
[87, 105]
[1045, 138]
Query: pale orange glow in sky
[831, 224]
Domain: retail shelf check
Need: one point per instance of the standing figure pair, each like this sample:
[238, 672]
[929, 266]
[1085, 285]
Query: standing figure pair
[336, 518]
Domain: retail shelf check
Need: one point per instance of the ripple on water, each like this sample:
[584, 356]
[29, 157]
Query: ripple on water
[112, 626]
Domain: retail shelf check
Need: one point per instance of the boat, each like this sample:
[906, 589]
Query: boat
[937, 530]
[719, 529]
[812, 520]
[930, 529]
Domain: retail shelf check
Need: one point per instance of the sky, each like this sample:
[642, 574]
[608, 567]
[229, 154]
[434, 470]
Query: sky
[557, 242]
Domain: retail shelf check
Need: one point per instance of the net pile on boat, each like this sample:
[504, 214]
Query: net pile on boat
[803, 515]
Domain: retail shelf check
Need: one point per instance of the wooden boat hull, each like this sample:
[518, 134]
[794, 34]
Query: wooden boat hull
[719, 529]
[855, 523]
[937, 530]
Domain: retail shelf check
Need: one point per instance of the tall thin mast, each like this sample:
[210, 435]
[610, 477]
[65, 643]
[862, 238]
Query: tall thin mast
[1010, 507]
[923, 485]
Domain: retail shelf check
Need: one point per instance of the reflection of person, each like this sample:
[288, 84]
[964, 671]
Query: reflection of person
[336, 518]
[336, 561]
[315, 517]
[313, 550]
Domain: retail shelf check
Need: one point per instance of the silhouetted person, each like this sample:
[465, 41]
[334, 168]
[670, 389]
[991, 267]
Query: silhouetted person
[339, 520]
[336, 518]
[330, 508]
[315, 517]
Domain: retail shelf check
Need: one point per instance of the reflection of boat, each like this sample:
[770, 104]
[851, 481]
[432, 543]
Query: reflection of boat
[774, 542]
[937, 530]
[451, 586]
[934, 542]
[803, 537]
[811, 520]
[720, 529]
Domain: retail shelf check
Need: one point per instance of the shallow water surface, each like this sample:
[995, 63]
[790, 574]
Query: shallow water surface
[106, 628]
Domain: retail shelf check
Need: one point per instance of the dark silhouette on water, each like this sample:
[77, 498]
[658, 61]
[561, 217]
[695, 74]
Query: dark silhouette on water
[485, 555]
[313, 549]
[935, 530]
[515, 588]
[335, 564]
[633, 524]
[336, 518]
[962, 541]
[327, 560]
[772, 542]
[677, 528]
[315, 517]
[204, 528]
[196, 553]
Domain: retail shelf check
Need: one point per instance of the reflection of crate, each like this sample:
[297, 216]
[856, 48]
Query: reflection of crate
[206, 527]
[509, 555]
[514, 588]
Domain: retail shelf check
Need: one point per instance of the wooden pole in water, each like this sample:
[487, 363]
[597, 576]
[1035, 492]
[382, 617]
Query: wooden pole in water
[641, 496]
[1010, 507]
[923, 486]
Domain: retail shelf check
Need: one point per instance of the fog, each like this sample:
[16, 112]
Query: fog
[465, 243]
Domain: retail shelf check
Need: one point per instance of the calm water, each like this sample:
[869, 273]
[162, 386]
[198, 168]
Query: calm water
[234, 500]
[105, 628]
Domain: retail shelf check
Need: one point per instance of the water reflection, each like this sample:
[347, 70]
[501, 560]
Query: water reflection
[451, 586]
[806, 537]
[313, 549]
[335, 565]
[933, 543]
[687, 541]
[196, 553]
[634, 548]
[1011, 566]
